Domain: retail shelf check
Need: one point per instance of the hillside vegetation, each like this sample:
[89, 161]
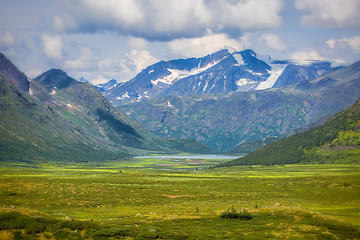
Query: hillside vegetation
[336, 140]
[61, 119]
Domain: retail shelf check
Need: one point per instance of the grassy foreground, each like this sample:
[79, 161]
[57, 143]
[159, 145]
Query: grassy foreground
[116, 201]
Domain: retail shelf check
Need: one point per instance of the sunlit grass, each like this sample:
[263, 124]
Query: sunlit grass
[188, 201]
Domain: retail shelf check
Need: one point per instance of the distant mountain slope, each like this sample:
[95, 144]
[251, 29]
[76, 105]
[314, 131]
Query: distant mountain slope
[62, 119]
[83, 99]
[293, 74]
[338, 139]
[215, 74]
[224, 121]
[103, 87]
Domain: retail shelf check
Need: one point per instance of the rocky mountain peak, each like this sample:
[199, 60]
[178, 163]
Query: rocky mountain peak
[55, 79]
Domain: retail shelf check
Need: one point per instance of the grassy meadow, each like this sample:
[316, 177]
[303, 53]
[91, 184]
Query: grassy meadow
[178, 199]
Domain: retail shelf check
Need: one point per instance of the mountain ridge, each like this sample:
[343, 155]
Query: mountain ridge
[10, 71]
[218, 73]
[224, 121]
[337, 139]
[61, 119]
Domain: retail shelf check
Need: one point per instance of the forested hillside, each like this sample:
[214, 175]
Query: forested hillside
[336, 140]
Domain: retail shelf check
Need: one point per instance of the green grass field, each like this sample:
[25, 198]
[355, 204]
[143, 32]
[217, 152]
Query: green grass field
[120, 200]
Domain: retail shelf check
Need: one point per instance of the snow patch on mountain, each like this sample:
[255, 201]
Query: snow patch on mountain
[275, 72]
[177, 74]
[239, 59]
[169, 104]
[206, 84]
[254, 73]
[125, 95]
[244, 81]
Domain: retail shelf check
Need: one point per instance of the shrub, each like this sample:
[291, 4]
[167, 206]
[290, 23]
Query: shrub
[232, 213]
[111, 232]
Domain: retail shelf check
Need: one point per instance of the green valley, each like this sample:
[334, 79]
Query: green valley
[318, 201]
[68, 169]
[180, 120]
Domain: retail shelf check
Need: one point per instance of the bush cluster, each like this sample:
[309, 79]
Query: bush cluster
[233, 213]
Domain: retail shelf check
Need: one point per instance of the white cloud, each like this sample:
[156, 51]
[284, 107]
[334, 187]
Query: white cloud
[201, 46]
[344, 50]
[245, 40]
[52, 46]
[33, 73]
[7, 40]
[170, 19]
[248, 14]
[174, 16]
[137, 43]
[140, 59]
[329, 13]
[337, 51]
[74, 64]
[306, 56]
[124, 12]
[99, 79]
[353, 43]
[84, 61]
[274, 42]
[105, 64]
[63, 23]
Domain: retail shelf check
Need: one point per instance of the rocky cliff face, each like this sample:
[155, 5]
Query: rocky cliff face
[8, 70]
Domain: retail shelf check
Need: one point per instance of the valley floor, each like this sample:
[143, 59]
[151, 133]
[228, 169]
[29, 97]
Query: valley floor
[113, 200]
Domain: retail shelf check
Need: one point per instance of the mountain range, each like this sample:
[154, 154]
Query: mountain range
[215, 74]
[229, 101]
[55, 117]
[304, 95]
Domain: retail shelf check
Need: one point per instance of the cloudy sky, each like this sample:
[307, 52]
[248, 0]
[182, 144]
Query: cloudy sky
[105, 39]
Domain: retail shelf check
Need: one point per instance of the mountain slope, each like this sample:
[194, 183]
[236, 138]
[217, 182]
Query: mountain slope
[85, 100]
[9, 71]
[61, 119]
[30, 131]
[103, 87]
[224, 121]
[293, 74]
[336, 140]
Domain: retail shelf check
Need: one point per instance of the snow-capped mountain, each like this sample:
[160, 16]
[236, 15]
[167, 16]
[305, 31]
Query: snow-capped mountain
[103, 87]
[82, 79]
[218, 73]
